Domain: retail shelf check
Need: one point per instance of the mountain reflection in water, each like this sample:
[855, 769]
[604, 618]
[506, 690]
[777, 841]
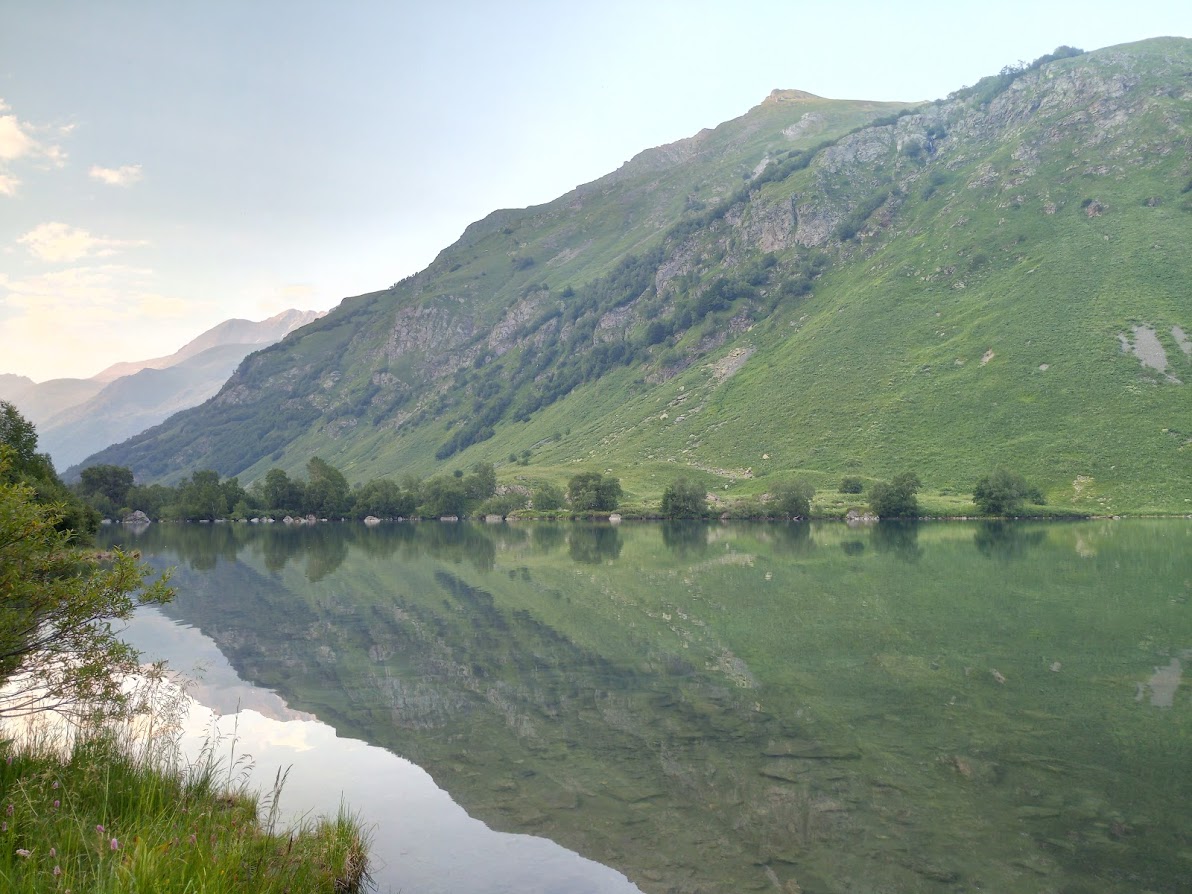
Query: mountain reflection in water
[421, 840]
[923, 707]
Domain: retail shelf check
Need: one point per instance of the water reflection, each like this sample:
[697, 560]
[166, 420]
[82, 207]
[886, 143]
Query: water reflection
[594, 543]
[899, 538]
[418, 833]
[685, 538]
[733, 707]
[1005, 540]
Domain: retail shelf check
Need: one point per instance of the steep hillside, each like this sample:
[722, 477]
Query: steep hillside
[998, 277]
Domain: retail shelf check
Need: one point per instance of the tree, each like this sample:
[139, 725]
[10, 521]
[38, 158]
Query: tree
[443, 496]
[592, 492]
[24, 465]
[235, 496]
[546, 497]
[106, 487]
[383, 498]
[202, 496]
[280, 492]
[1002, 492]
[896, 499]
[684, 498]
[482, 483]
[152, 499]
[793, 498]
[58, 649]
[327, 490]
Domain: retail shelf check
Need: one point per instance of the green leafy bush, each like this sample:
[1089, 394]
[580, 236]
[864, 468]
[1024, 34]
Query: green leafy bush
[593, 492]
[896, 499]
[792, 498]
[684, 498]
[850, 485]
[1002, 492]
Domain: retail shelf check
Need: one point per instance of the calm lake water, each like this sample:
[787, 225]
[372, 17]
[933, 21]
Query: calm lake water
[708, 708]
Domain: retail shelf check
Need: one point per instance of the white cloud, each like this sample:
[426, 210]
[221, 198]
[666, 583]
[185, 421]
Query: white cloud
[17, 142]
[125, 175]
[62, 243]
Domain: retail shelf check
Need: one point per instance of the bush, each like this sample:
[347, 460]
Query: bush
[895, 499]
[850, 485]
[502, 504]
[684, 498]
[546, 497]
[592, 492]
[1002, 492]
[793, 498]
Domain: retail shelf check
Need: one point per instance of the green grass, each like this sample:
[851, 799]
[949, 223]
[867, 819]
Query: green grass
[109, 814]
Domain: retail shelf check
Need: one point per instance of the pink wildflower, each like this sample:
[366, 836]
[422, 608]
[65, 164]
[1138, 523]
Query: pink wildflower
[3, 827]
[22, 852]
[99, 828]
[8, 811]
[55, 785]
[115, 845]
[57, 803]
[53, 852]
[57, 870]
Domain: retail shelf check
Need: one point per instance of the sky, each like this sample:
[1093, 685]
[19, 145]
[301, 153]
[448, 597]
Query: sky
[168, 166]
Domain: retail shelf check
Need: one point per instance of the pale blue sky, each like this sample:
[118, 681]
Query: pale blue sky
[166, 166]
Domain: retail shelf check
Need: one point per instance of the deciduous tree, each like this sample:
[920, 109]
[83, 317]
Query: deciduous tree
[58, 649]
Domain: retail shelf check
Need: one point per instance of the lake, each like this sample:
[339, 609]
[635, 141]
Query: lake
[584, 707]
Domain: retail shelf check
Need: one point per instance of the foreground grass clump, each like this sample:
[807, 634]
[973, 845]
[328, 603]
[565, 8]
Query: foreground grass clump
[106, 818]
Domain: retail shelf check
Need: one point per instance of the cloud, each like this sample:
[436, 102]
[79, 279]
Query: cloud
[17, 142]
[125, 175]
[74, 321]
[62, 243]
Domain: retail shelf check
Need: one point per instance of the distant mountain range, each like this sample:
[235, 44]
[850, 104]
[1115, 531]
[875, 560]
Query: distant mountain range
[77, 417]
[819, 287]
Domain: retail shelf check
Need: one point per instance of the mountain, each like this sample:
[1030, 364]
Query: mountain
[40, 401]
[76, 417]
[229, 332]
[133, 403]
[820, 286]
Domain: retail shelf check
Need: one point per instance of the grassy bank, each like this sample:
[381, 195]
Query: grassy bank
[100, 816]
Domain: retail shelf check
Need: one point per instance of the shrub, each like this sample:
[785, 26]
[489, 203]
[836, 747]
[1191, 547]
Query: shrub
[684, 498]
[1002, 492]
[793, 498]
[502, 504]
[546, 497]
[849, 485]
[896, 499]
[592, 492]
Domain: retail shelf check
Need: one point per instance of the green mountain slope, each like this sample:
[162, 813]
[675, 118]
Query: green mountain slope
[998, 277]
